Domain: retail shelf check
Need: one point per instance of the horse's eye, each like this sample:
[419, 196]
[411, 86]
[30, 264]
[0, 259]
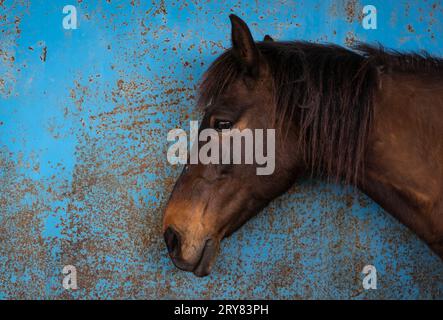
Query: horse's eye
[222, 124]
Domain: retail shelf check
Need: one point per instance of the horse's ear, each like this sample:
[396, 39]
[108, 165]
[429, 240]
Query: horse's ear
[268, 38]
[244, 46]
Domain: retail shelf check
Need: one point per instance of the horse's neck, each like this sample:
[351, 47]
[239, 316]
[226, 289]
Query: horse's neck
[404, 163]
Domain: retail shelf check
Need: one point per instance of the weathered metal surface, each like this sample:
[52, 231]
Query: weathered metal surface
[84, 178]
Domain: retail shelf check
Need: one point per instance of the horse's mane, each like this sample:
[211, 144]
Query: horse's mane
[396, 61]
[327, 91]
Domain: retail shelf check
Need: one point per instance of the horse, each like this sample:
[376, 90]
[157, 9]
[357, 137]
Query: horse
[366, 116]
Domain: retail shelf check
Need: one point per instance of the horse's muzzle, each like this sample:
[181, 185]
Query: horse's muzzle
[201, 266]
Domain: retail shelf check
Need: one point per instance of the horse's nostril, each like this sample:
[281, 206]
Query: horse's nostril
[172, 240]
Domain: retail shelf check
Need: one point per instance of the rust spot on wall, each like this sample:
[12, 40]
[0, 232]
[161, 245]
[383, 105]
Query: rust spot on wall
[43, 55]
[350, 9]
[350, 39]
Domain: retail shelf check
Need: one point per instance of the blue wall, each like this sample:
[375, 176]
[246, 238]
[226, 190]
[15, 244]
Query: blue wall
[83, 169]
